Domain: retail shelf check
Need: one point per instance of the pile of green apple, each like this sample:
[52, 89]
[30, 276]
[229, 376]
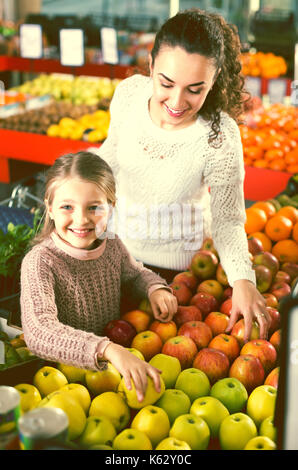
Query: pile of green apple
[70, 89]
[187, 414]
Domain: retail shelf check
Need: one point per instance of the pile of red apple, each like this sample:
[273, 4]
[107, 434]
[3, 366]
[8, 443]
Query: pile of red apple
[197, 334]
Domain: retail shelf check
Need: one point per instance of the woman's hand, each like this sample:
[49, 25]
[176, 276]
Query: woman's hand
[131, 367]
[164, 305]
[248, 301]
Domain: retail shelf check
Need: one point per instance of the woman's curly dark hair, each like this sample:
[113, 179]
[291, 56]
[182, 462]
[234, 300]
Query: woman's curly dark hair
[208, 34]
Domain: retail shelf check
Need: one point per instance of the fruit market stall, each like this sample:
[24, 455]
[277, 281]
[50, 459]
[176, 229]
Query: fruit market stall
[217, 391]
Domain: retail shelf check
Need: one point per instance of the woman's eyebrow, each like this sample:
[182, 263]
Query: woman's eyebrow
[172, 81]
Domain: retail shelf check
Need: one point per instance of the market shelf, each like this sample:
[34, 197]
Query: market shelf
[259, 183]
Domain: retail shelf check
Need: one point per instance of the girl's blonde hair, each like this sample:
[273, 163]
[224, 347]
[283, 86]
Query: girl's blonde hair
[84, 165]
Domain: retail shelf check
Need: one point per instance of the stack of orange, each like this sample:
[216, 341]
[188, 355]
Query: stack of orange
[276, 229]
[260, 64]
[273, 141]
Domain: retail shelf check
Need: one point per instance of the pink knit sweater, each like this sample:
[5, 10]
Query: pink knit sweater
[68, 295]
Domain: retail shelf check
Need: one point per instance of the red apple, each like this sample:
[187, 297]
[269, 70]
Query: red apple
[182, 293]
[282, 276]
[226, 307]
[148, 343]
[291, 269]
[120, 332]
[263, 277]
[214, 363]
[221, 276]
[275, 320]
[206, 303]
[228, 292]
[239, 328]
[187, 313]
[267, 259]
[187, 278]
[198, 331]
[137, 318]
[280, 290]
[255, 245]
[164, 330]
[227, 344]
[248, 370]
[183, 348]
[271, 300]
[275, 339]
[208, 245]
[217, 321]
[204, 264]
[262, 349]
[272, 378]
[213, 287]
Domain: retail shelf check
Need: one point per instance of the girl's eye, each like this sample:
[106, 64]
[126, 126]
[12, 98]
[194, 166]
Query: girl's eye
[166, 86]
[66, 207]
[98, 209]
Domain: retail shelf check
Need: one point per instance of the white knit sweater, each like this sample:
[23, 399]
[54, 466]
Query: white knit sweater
[164, 209]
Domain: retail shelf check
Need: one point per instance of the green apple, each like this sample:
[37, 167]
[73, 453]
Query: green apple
[80, 393]
[112, 406]
[102, 380]
[98, 430]
[170, 443]
[154, 422]
[30, 396]
[260, 443]
[212, 411]
[174, 403]
[66, 402]
[170, 367]
[268, 429]
[73, 374]
[191, 429]
[235, 431]
[193, 382]
[136, 353]
[151, 394]
[49, 379]
[132, 439]
[231, 392]
[100, 447]
[261, 403]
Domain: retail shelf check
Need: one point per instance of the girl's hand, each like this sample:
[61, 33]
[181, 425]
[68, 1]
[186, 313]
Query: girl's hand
[248, 301]
[164, 305]
[131, 367]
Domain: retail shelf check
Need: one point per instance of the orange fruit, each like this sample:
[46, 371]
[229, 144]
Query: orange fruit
[262, 163]
[292, 168]
[290, 212]
[279, 164]
[278, 228]
[295, 232]
[256, 220]
[266, 206]
[264, 239]
[273, 154]
[286, 251]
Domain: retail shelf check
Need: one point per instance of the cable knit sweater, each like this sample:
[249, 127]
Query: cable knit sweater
[164, 208]
[69, 294]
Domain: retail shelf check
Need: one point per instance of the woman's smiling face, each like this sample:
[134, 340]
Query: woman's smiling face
[181, 83]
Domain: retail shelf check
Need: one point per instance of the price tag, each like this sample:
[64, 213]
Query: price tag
[253, 85]
[72, 47]
[109, 45]
[31, 41]
[277, 90]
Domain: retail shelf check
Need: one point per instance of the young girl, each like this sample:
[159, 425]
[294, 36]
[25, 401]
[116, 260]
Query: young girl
[173, 137]
[72, 277]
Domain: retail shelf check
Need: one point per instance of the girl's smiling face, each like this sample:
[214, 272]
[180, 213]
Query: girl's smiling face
[80, 211]
[181, 83]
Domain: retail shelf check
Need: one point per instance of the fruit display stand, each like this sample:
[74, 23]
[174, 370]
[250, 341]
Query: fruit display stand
[34, 148]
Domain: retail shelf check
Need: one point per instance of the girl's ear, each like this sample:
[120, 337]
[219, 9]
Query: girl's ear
[48, 209]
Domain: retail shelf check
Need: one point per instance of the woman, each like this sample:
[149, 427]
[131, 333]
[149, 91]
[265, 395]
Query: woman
[175, 149]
